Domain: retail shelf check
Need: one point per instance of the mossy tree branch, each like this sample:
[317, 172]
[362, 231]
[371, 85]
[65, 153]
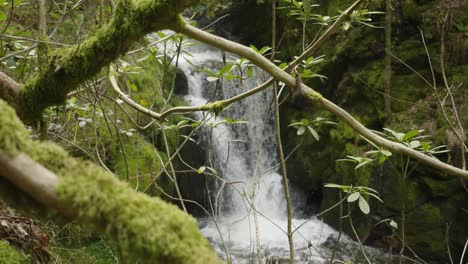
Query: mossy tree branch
[147, 229]
[68, 67]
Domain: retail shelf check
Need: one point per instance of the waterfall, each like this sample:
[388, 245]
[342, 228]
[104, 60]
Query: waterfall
[240, 153]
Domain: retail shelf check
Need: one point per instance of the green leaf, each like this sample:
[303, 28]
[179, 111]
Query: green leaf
[212, 79]
[309, 60]
[210, 73]
[144, 103]
[382, 159]
[133, 87]
[386, 153]
[400, 136]
[410, 135]
[363, 205]
[82, 123]
[353, 197]
[295, 124]
[314, 133]
[249, 72]
[414, 144]
[225, 69]
[393, 224]
[201, 170]
[307, 8]
[161, 34]
[301, 131]
[426, 146]
[333, 185]
[370, 142]
[396, 135]
[361, 164]
[366, 189]
[254, 48]
[264, 49]
[376, 197]
[346, 25]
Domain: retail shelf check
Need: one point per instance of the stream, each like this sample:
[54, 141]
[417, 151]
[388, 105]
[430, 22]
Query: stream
[244, 155]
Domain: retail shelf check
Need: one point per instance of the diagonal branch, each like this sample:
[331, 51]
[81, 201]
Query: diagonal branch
[69, 67]
[316, 98]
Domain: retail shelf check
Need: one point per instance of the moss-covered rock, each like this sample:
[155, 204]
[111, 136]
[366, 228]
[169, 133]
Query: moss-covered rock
[426, 230]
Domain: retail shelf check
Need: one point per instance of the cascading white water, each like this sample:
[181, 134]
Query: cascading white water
[245, 156]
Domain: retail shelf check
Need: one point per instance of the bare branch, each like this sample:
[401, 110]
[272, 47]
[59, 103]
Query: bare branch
[317, 99]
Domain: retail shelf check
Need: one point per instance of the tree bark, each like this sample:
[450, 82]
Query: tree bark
[42, 26]
[388, 58]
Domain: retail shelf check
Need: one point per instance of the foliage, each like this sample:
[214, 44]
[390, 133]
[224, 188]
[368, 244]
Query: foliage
[305, 124]
[302, 10]
[241, 69]
[305, 68]
[357, 193]
[410, 139]
[361, 17]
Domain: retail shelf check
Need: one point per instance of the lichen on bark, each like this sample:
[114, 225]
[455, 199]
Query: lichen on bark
[215, 107]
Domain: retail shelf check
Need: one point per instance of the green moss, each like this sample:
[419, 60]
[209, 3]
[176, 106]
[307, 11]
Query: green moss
[313, 96]
[441, 187]
[10, 255]
[215, 107]
[12, 132]
[146, 229]
[427, 232]
[143, 160]
[168, 236]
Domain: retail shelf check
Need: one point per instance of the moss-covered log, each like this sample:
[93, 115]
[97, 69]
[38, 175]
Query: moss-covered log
[146, 229]
[68, 67]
